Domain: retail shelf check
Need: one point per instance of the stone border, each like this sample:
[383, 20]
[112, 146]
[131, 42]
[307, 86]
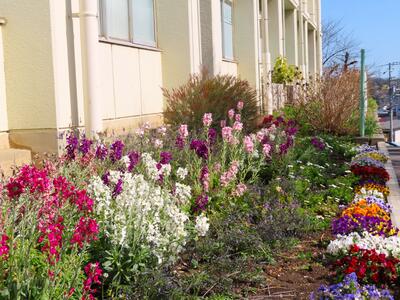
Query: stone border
[393, 185]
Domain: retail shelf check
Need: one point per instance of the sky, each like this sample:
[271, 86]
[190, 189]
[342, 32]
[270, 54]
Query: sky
[375, 24]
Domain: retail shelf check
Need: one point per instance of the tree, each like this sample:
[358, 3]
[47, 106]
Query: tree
[338, 46]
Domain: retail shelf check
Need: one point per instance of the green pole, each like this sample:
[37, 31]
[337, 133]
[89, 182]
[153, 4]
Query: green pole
[362, 94]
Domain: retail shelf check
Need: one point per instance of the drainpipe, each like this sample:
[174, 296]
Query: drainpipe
[91, 67]
[266, 58]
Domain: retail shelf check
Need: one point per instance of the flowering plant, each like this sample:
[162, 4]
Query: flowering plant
[46, 225]
[371, 187]
[349, 288]
[374, 154]
[378, 174]
[369, 266]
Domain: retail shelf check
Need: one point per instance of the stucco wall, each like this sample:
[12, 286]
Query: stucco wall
[28, 64]
[228, 67]
[3, 104]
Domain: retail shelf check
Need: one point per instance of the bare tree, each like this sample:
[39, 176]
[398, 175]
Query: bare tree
[338, 46]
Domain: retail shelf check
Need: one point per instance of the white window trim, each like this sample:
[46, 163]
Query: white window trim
[224, 58]
[104, 37]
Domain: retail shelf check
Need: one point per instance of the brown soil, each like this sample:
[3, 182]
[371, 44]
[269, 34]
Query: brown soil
[297, 272]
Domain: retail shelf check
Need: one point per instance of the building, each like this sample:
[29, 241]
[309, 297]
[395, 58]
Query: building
[100, 64]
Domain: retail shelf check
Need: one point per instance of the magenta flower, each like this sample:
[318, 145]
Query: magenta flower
[267, 150]
[248, 144]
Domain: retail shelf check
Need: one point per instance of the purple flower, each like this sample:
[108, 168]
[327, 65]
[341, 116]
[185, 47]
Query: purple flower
[72, 145]
[212, 136]
[180, 142]
[200, 147]
[85, 145]
[201, 202]
[318, 144]
[291, 131]
[134, 158]
[106, 178]
[116, 150]
[359, 223]
[166, 157]
[117, 188]
[101, 151]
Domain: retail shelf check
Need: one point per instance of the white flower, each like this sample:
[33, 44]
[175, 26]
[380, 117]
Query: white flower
[202, 225]
[125, 159]
[181, 173]
[182, 192]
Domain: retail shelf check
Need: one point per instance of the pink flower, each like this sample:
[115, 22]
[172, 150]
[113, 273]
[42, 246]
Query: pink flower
[85, 232]
[223, 123]
[227, 134]
[217, 167]
[205, 178]
[93, 273]
[238, 117]
[4, 248]
[162, 130]
[207, 119]
[231, 113]
[183, 131]
[230, 175]
[237, 126]
[266, 149]
[260, 135]
[158, 143]
[240, 190]
[240, 105]
[248, 144]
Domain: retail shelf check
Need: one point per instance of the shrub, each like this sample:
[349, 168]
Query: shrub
[329, 105]
[284, 73]
[206, 94]
[371, 122]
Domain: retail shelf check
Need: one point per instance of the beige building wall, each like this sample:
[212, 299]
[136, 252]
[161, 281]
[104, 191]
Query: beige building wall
[3, 103]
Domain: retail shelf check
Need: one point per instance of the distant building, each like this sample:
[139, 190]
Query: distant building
[101, 64]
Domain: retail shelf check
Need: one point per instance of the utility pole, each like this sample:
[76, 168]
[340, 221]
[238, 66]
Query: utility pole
[362, 94]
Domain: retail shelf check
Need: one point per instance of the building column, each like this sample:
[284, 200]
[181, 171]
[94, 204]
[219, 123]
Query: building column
[88, 11]
[312, 52]
[276, 32]
[3, 103]
[291, 37]
[306, 54]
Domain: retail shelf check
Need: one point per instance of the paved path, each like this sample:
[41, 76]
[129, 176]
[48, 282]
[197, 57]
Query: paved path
[393, 168]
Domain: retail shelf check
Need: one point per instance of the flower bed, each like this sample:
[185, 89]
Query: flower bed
[367, 245]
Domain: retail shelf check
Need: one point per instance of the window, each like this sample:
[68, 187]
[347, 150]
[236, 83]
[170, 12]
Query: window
[128, 20]
[227, 29]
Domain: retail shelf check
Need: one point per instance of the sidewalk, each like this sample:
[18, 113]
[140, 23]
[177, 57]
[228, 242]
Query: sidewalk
[393, 167]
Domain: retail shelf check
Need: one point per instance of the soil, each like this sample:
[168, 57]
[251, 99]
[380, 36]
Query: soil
[299, 271]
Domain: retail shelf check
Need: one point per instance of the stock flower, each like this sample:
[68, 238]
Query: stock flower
[212, 136]
[166, 157]
[227, 134]
[72, 145]
[118, 188]
[116, 150]
[101, 151]
[158, 143]
[240, 105]
[183, 131]
[93, 273]
[134, 158]
[248, 144]
[202, 225]
[238, 117]
[205, 178]
[230, 175]
[241, 188]
[86, 231]
[223, 123]
[207, 119]
[162, 130]
[266, 150]
[231, 113]
[85, 145]
[181, 173]
[4, 248]
[200, 147]
[201, 202]
[318, 143]
[237, 126]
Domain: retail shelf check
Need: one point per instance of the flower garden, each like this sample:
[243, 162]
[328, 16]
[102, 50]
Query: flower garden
[178, 213]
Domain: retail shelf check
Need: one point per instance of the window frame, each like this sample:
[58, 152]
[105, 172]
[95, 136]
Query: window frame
[105, 37]
[231, 3]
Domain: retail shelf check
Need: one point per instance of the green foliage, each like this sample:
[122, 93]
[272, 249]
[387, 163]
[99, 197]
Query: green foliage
[284, 73]
[371, 122]
[206, 94]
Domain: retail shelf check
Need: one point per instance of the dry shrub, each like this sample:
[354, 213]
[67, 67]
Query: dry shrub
[204, 93]
[330, 104]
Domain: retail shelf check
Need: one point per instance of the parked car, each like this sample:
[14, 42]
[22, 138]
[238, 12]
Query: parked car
[383, 112]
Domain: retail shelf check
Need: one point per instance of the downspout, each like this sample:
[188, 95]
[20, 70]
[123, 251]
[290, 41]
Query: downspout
[91, 67]
[302, 44]
[266, 58]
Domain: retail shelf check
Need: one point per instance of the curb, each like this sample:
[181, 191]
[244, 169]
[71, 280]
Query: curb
[393, 185]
